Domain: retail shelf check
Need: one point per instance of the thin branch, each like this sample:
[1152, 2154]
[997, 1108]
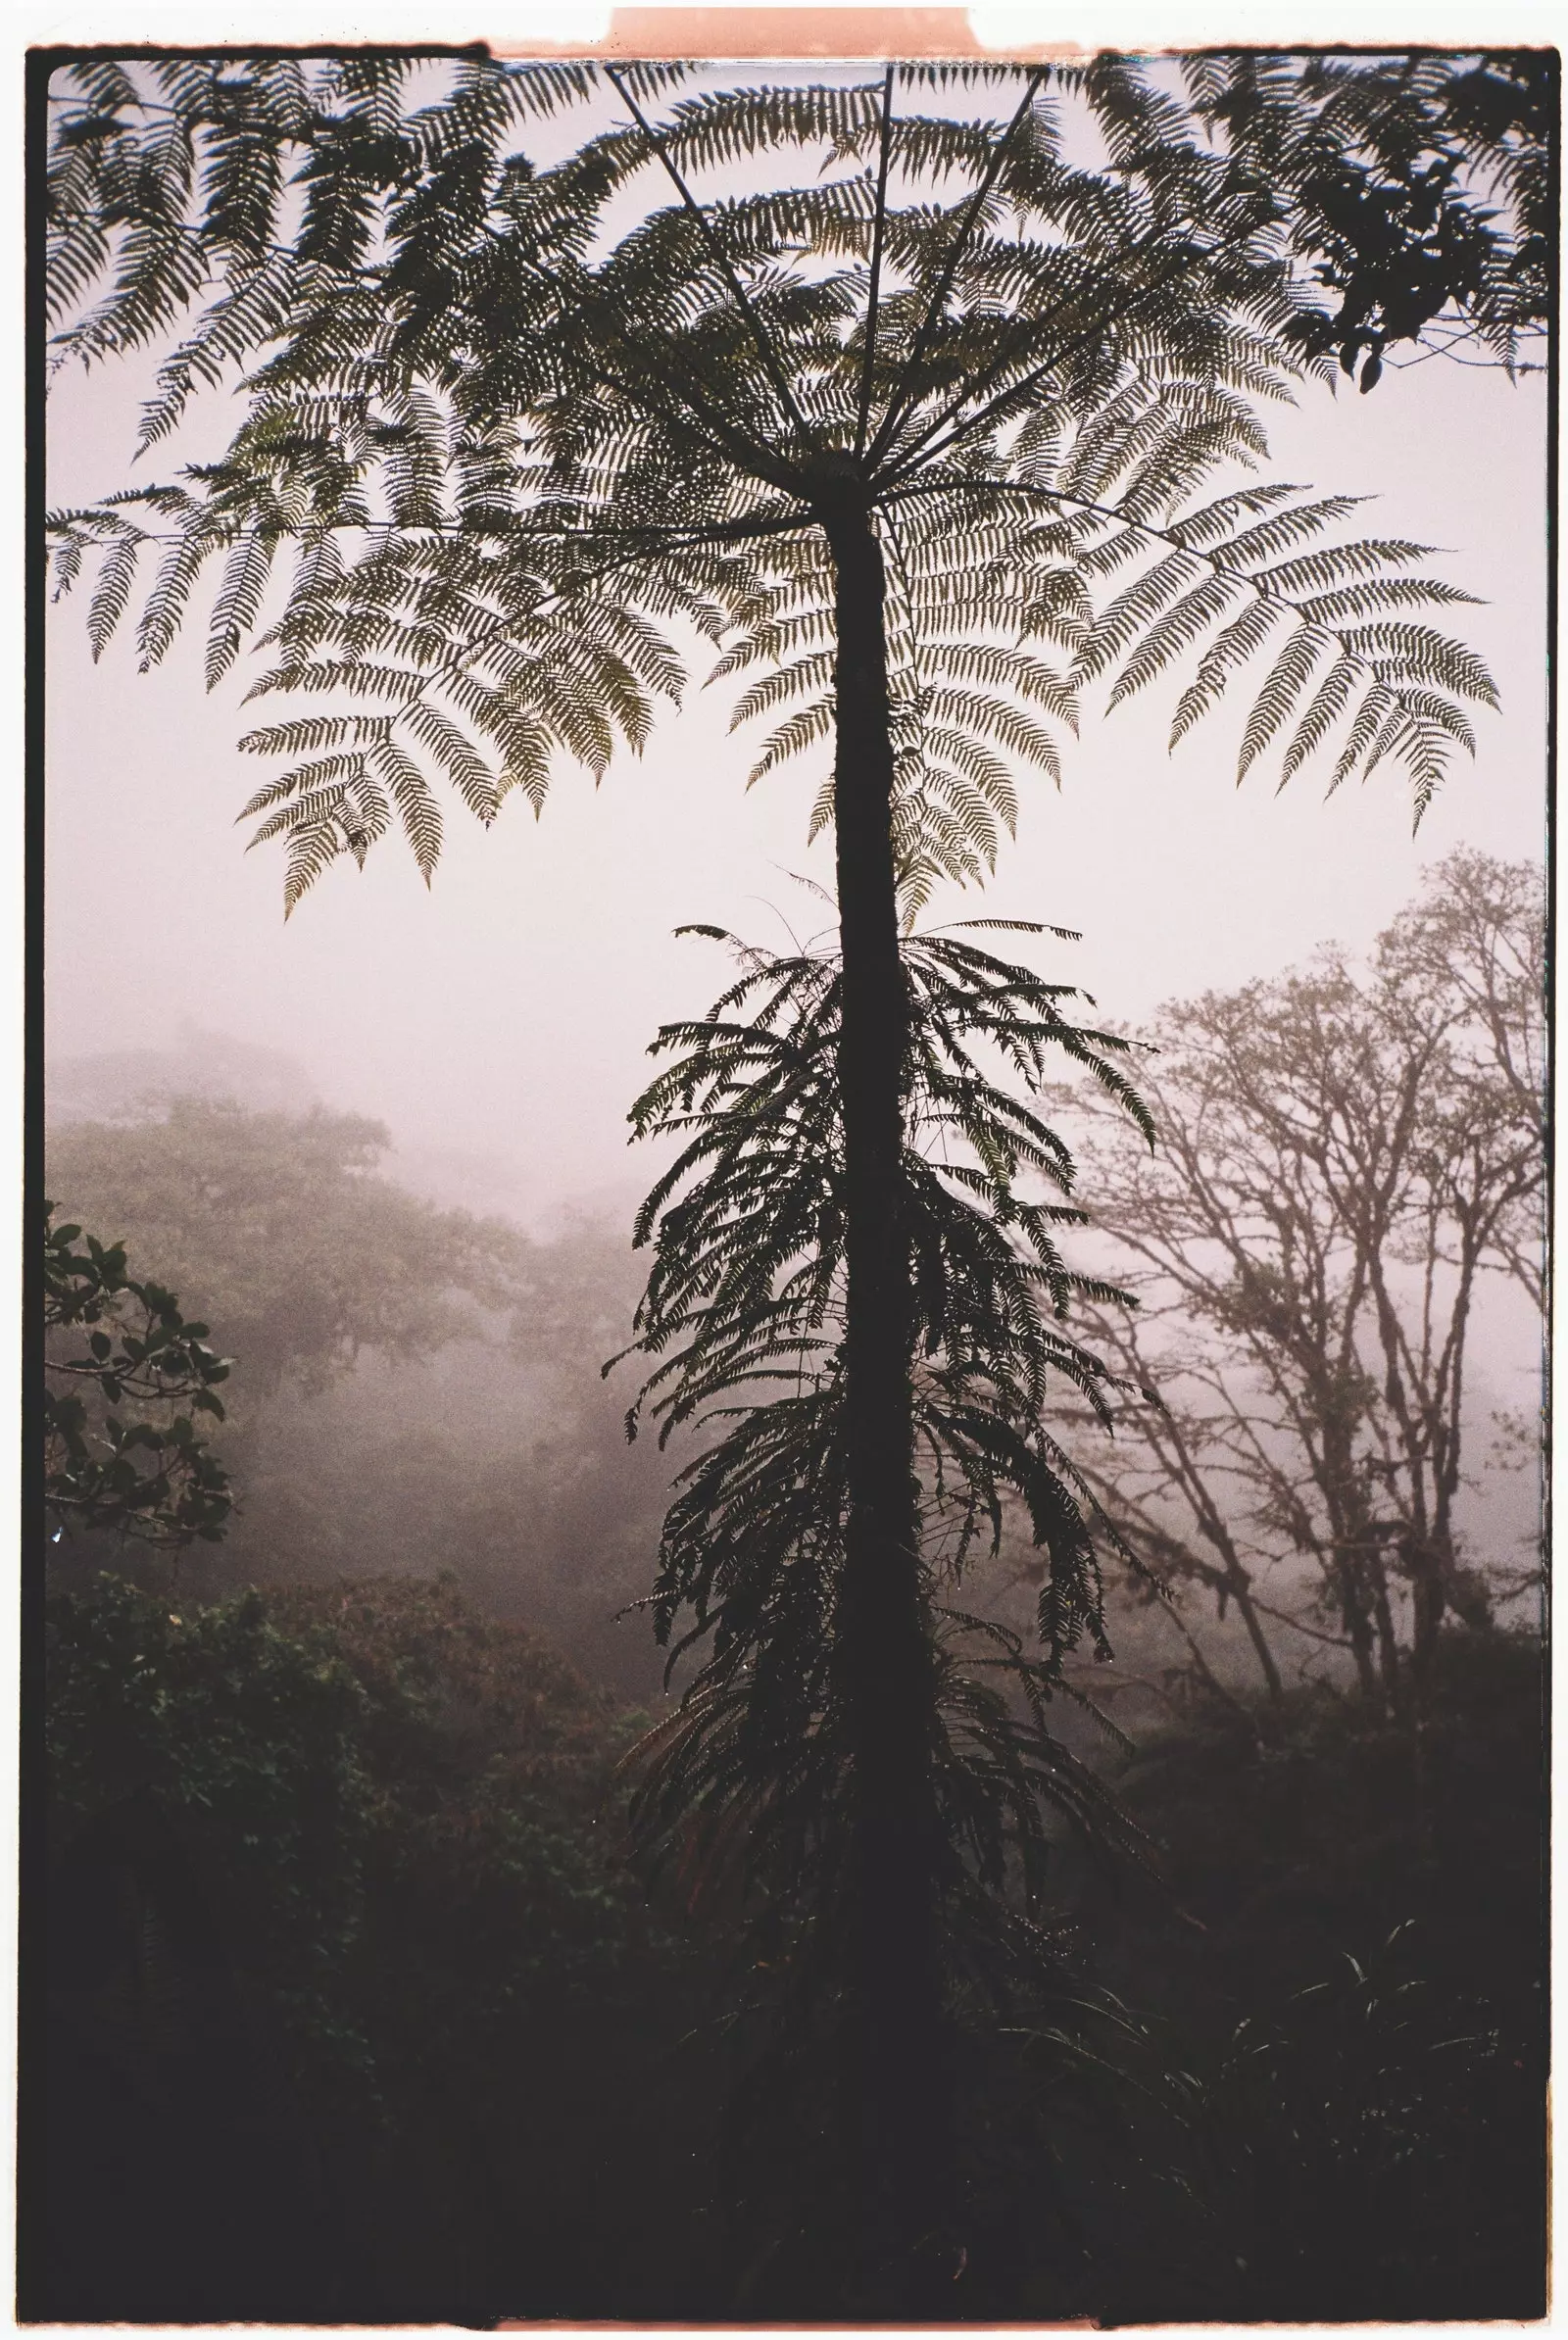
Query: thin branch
[1313, 1633]
[877, 234]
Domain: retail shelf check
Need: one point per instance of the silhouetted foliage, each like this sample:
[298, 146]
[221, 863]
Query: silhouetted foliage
[583, 414]
[744, 1324]
[875, 432]
[125, 1375]
[1420, 187]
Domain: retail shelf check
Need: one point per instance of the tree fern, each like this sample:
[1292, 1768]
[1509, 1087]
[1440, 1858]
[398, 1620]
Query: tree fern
[934, 434]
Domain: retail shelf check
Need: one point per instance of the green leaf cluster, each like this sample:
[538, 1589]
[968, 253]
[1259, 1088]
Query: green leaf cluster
[126, 1378]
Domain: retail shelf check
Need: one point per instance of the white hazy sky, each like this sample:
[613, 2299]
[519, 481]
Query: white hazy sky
[504, 1015]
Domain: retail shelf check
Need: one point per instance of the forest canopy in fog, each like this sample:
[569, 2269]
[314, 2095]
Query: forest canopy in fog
[418, 1389]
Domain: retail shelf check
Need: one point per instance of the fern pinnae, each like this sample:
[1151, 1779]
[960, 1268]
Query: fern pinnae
[312, 810]
[1177, 629]
[117, 575]
[1212, 523]
[1328, 704]
[1426, 706]
[1422, 653]
[1292, 670]
[1383, 593]
[1374, 711]
[417, 807]
[1241, 641]
[171, 590]
[239, 601]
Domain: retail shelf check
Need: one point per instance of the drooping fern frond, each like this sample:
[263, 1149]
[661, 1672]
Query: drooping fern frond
[742, 1326]
[1330, 615]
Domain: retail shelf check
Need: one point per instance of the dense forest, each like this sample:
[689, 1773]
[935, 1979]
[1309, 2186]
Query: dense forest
[956, 1730]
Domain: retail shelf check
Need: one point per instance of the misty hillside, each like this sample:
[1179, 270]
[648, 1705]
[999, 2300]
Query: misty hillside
[372, 1763]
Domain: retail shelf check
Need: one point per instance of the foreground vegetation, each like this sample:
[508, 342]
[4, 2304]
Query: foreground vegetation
[360, 2011]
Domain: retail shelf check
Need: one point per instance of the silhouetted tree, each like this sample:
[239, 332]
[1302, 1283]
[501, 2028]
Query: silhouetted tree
[1422, 190]
[126, 1375]
[1346, 1155]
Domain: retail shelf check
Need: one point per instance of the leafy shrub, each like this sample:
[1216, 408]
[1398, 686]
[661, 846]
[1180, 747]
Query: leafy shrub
[248, 1740]
[393, 1816]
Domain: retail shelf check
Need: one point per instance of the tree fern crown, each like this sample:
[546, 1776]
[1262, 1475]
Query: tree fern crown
[531, 398]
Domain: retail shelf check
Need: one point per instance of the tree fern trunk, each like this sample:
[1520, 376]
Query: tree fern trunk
[897, 2101]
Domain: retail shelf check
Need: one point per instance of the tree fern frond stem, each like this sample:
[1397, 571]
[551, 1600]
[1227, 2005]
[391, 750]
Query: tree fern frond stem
[715, 427]
[764, 348]
[897, 405]
[873, 295]
[919, 451]
[701, 420]
[746, 530]
[963, 483]
[502, 629]
[453, 668]
[1123, 519]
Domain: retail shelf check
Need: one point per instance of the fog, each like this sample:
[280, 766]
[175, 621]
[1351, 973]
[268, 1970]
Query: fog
[498, 1022]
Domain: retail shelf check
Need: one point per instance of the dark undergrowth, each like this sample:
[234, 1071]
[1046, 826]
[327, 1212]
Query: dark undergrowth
[357, 2012]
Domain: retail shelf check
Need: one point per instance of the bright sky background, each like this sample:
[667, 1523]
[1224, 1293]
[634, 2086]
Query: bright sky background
[498, 1022]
